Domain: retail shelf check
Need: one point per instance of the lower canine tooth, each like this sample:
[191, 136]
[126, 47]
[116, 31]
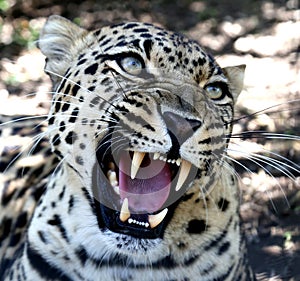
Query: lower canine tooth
[185, 168]
[124, 214]
[155, 220]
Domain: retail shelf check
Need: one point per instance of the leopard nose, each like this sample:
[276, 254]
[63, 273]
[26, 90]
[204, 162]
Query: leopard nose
[180, 128]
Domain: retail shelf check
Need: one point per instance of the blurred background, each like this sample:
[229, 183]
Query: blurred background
[264, 35]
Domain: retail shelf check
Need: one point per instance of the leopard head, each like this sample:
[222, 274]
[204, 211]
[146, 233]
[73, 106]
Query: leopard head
[143, 117]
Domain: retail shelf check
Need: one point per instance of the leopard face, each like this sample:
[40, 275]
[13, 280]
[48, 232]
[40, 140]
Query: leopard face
[140, 120]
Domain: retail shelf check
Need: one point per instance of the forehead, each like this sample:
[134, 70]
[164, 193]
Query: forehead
[142, 36]
[163, 48]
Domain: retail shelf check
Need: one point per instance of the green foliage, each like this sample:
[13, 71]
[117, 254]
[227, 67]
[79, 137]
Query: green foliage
[77, 20]
[12, 80]
[4, 5]
[25, 36]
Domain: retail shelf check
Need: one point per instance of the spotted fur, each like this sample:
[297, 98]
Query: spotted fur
[120, 89]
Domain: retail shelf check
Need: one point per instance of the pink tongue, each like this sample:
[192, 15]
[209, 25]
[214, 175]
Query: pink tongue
[151, 187]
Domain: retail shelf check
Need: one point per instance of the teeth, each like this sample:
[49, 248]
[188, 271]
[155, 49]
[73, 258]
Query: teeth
[156, 156]
[145, 224]
[137, 159]
[183, 173]
[112, 176]
[155, 220]
[163, 158]
[124, 214]
[116, 189]
[136, 163]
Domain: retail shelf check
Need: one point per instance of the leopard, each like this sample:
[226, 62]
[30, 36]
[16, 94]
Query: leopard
[128, 179]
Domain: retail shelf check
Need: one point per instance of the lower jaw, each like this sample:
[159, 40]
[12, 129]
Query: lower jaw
[109, 219]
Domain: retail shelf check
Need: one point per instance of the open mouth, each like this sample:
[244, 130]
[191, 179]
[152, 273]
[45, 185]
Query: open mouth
[137, 192]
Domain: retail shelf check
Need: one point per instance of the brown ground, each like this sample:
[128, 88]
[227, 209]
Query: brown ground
[265, 35]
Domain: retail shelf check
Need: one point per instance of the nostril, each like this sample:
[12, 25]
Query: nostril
[195, 124]
[181, 128]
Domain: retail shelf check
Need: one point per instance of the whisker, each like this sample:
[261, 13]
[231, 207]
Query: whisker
[240, 164]
[23, 119]
[73, 82]
[265, 160]
[118, 84]
[250, 172]
[108, 146]
[26, 146]
[117, 147]
[59, 164]
[279, 163]
[281, 136]
[262, 111]
[230, 168]
[263, 135]
[253, 159]
[32, 144]
[108, 129]
[34, 94]
[292, 165]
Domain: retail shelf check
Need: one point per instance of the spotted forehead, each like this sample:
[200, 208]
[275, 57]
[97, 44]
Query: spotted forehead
[163, 47]
[134, 35]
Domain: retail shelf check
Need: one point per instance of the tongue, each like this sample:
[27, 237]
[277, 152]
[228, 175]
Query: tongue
[150, 189]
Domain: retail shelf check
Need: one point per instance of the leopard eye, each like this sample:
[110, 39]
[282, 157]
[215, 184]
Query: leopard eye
[131, 65]
[214, 91]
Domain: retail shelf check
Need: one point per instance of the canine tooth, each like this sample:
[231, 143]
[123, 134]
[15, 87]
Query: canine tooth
[178, 162]
[112, 176]
[155, 220]
[185, 168]
[136, 162]
[125, 214]
[156, 156]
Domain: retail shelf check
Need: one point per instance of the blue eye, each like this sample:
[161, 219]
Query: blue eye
[131, 65]
[214, 92]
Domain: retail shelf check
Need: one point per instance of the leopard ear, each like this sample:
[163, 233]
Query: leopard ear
[59, 41]
[235, 76]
